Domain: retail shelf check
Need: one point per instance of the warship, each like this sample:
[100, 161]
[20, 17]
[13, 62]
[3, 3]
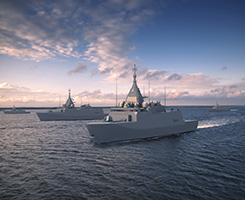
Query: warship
[69, 112]
[15, 110]
[136, 119]
[218, 108]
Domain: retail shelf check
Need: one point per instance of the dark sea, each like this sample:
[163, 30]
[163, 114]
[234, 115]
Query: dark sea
[57, 160]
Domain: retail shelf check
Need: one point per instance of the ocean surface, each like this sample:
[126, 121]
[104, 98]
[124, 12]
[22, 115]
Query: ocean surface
[57, 160]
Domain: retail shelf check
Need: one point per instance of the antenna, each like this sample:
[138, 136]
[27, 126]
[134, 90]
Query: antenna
[149, 91]
[165, 97]
[116, 92]
[134, 69]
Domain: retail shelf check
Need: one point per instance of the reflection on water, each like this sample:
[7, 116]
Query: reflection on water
[57, 160]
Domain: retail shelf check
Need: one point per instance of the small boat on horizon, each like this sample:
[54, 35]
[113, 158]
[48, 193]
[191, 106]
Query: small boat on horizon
[218, 108]
[136, 119]
[69, 112]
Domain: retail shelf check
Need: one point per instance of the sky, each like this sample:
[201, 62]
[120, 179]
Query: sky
[194, 48]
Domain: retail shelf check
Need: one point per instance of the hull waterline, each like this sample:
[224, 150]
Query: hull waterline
[110, 132]
[61, 116]
[16, 112]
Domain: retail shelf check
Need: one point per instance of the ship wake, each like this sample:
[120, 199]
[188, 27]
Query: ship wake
[219, 121]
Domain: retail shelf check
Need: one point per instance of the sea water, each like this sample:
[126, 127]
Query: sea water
[57, 160]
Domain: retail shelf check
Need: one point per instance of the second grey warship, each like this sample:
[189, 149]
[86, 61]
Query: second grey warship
[15, 110]
[218, 108]
[137, 119]
[70, 112]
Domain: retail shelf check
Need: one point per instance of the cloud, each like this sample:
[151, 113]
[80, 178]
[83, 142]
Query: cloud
[226, 94]
[196, 83]
[106, 70]
[80, 68]
[224, 68]
[154, 74]
[36, 30]
[98, 32]
[100, 98]
[175, 76]
[21, 96]
[229, 90]
[123, 75]
[109, 33]
[95, 31]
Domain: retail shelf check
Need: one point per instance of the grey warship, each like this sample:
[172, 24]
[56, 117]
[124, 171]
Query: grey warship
[136, 119]
[218, 108]
[70, 112]
[15, 110]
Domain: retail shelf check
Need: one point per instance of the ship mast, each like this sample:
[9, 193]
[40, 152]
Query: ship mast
[116, 92]
[165, 97]
[149, 91]
[134, 69]
[59, 101]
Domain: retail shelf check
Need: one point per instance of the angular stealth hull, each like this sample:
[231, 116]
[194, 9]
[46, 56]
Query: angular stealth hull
[219, 109]
[103, 132]
[72, 114]
[16, 112]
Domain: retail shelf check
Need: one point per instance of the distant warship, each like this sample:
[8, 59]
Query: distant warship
[218, 108]
[69, 112]
[137, 119]
[16, 111]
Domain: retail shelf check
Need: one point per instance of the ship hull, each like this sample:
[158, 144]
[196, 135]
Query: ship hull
[60, 117]
[16, 112]
[218, 110]
[72, 115]
[110, 132]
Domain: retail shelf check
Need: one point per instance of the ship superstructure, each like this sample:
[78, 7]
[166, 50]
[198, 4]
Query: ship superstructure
[137, 119]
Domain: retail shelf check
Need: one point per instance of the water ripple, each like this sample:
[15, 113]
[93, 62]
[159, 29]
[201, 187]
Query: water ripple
[57, 160]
